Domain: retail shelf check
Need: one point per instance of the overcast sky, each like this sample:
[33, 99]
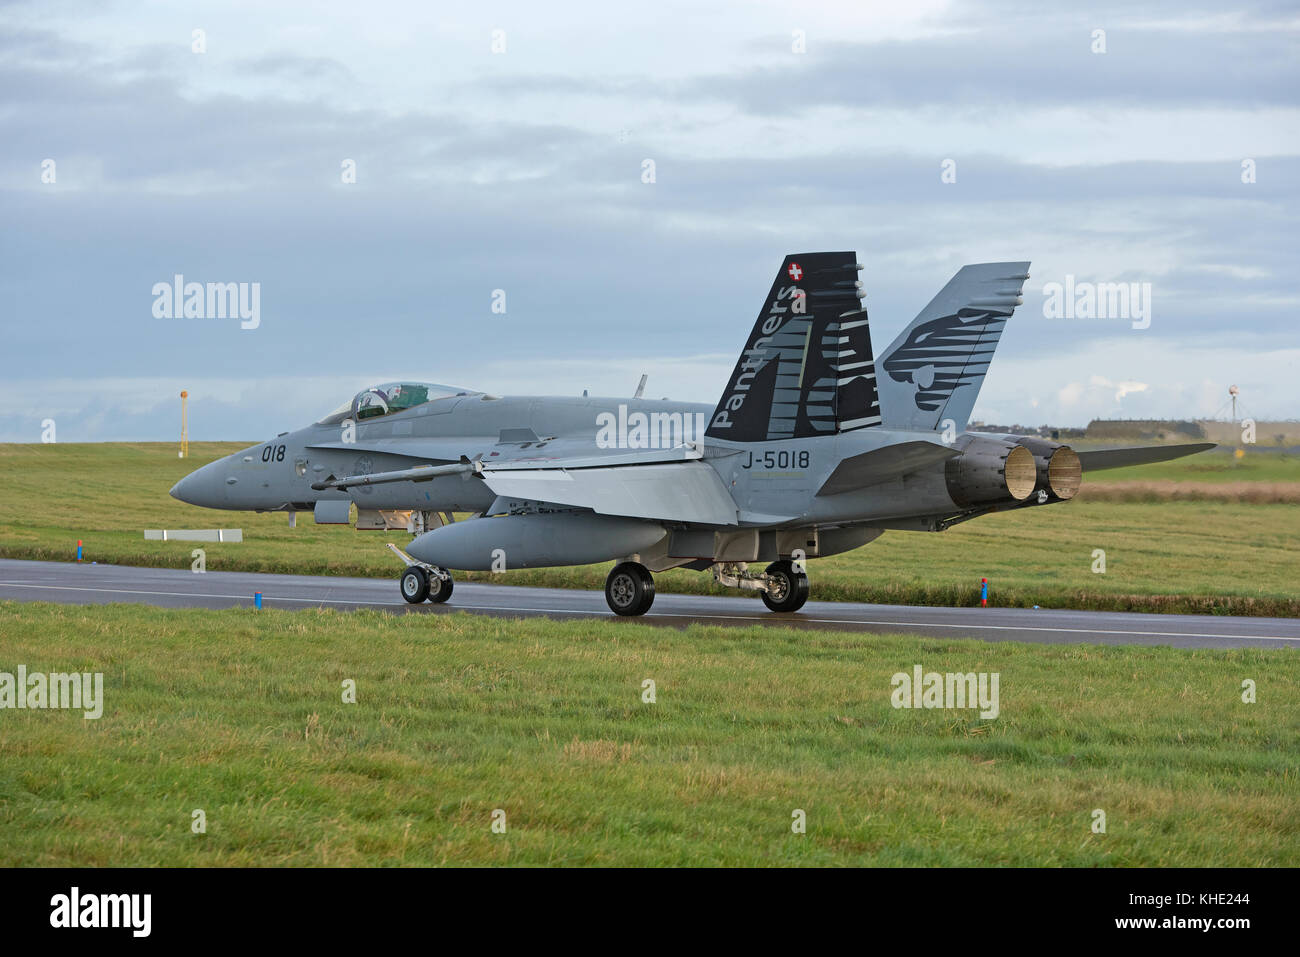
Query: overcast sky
[522, 171]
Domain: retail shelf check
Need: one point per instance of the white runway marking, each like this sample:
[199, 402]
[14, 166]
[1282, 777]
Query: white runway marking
[761, 618]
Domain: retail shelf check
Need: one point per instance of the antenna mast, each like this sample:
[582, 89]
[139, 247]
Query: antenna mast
[185, 428]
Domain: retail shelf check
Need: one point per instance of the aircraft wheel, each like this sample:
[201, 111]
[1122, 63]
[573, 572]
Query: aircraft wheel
[629, 589]
[415, 584]
[790, 590]
[440, 589]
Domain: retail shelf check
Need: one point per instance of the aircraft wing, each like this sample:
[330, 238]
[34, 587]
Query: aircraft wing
[587, 457]
[512, 452]
[1118, 458]
[665, 484]
[687, 491]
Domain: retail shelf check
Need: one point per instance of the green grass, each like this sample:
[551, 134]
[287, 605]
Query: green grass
[1222, 557]
[239, 713]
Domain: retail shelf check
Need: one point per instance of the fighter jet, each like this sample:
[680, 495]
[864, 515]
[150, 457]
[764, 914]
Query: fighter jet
[811, 450]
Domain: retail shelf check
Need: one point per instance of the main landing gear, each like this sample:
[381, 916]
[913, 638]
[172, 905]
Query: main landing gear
[630, 589]
[787, 587]
[423, 582]
[783, 584]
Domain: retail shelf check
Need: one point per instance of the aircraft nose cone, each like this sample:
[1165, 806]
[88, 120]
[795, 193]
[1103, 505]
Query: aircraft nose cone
[186, 490]
[204, 487]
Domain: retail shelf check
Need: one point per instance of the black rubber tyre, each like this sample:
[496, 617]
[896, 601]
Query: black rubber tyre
[791, 591]
[440, 589]
[415, 584]
[629, 589]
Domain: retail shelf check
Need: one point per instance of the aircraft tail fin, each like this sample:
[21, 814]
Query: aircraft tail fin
[934, 369]
[807, 368]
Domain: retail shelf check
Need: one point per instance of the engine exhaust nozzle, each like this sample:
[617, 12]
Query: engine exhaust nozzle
[1064, 473]
[1060, 473]
[989, 472]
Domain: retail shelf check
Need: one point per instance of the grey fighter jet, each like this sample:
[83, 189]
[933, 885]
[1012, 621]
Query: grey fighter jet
[814, 448]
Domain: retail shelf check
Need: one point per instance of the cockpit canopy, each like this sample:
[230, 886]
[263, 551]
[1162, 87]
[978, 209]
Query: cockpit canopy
[391, 397]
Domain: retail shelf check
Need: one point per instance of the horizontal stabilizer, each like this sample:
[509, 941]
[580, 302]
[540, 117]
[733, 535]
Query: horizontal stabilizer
[884, 465]
[1118, 458]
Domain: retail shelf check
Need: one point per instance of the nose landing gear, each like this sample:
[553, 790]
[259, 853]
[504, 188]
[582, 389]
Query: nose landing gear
[415, 584]
[440, 586]
[422, 582]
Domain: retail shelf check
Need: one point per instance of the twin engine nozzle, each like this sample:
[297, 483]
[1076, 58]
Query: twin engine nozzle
[1006, 470]
[1059, 471]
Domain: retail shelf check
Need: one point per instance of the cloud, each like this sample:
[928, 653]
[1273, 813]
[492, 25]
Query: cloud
[1121, 388]
[1143, 66]
[478, 173]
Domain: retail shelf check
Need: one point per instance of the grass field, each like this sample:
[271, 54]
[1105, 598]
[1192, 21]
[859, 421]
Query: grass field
[1209, 554]
[1217, 466]
[240, 714]
[1217, 476]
